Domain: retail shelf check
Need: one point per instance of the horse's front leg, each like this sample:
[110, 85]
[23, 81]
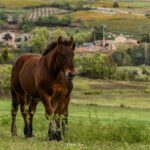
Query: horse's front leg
[59, 117]
[49, 112]
[32, 108]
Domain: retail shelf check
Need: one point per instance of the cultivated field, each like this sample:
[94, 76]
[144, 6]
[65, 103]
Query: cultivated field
[103, 115]
[45, 12]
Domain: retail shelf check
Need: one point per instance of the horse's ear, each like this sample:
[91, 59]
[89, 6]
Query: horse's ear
[72, 43]
[59, 41]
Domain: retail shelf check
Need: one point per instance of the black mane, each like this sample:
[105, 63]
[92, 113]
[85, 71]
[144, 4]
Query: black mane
[52, 45]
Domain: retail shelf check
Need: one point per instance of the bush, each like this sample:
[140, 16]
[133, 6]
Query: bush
[122, 58]
[137, 55]
[96, 66]
[65, 21]
[69, 5]
[141, 73]
[7, 56]
[148, 16]
[81, 37]
[131, 56]
[26, 25]
[115, 5]
[142, 77]
[145, 69]
[5, 71]
[53, 20]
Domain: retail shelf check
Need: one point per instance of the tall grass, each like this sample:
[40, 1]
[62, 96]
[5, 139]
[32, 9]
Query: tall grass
[117, 131]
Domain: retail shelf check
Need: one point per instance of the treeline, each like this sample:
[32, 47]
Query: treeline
[102, 66]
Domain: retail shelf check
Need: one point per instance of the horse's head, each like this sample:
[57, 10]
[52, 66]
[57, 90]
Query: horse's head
[65, 56]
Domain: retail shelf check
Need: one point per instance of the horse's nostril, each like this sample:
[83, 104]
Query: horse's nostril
[71, 74]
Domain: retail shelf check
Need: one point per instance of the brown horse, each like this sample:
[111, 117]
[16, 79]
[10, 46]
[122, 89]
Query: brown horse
[47, 77]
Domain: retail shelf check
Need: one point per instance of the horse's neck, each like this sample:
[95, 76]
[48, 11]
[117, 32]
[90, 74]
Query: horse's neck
[51, 63]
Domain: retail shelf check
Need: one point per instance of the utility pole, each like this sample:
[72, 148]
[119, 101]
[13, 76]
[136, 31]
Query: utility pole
[146, 52]
[104, 40]
[146, 29]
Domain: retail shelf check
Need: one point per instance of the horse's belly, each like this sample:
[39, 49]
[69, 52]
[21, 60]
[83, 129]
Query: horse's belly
[27, 81]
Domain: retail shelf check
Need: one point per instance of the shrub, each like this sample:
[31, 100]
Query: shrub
[39, 39]
[53, 20]
[141, 73]
[131, 56]
[96, 66]
[137, 55]
[65, 21]
[7, 56]
[145, 69]
[5, 71]
[81, 37]
[148, 16]
[115, 5]
[26, 25]
[142, 77]
[122, 58]
[77, 5]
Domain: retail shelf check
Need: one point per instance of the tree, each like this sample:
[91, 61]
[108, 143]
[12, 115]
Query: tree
[96, 66]
[26, 25]
[81, 37]
[66, 20]
[99, 32]
[56, 33]
[39, 39]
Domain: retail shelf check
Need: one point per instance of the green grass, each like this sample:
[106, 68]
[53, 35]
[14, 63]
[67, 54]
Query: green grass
[96, 119]
[123, 3]
[90, 127]
[111, 93]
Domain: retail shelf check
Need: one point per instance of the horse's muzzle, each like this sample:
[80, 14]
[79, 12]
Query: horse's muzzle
[71, 75]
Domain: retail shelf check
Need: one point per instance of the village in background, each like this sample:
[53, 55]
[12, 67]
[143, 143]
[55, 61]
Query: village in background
[95, 26]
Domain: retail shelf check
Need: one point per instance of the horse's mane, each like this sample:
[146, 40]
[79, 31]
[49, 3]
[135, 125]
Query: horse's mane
[52, 45]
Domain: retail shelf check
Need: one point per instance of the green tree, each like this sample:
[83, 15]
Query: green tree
[99, 31]
[66, 20]
[26, 25]
[81, 37]
[56, 33]
[96, 66]
[39, 39]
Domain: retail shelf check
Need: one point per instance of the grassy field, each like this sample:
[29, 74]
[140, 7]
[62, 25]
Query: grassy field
[121, 23]
[92, 15]
[103, 115]
[123, 3]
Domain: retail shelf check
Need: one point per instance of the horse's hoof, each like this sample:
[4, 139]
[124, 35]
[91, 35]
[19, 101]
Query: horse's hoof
[51, 135]
[58, 136]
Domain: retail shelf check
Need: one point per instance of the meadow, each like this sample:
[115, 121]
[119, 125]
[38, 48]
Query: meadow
[103, 115]
[123, 3]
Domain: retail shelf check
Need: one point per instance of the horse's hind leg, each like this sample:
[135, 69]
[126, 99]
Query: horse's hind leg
[25, 114]
[14, 110]
[32, 108]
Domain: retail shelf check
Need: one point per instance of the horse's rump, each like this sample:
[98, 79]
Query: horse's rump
[17, 68]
